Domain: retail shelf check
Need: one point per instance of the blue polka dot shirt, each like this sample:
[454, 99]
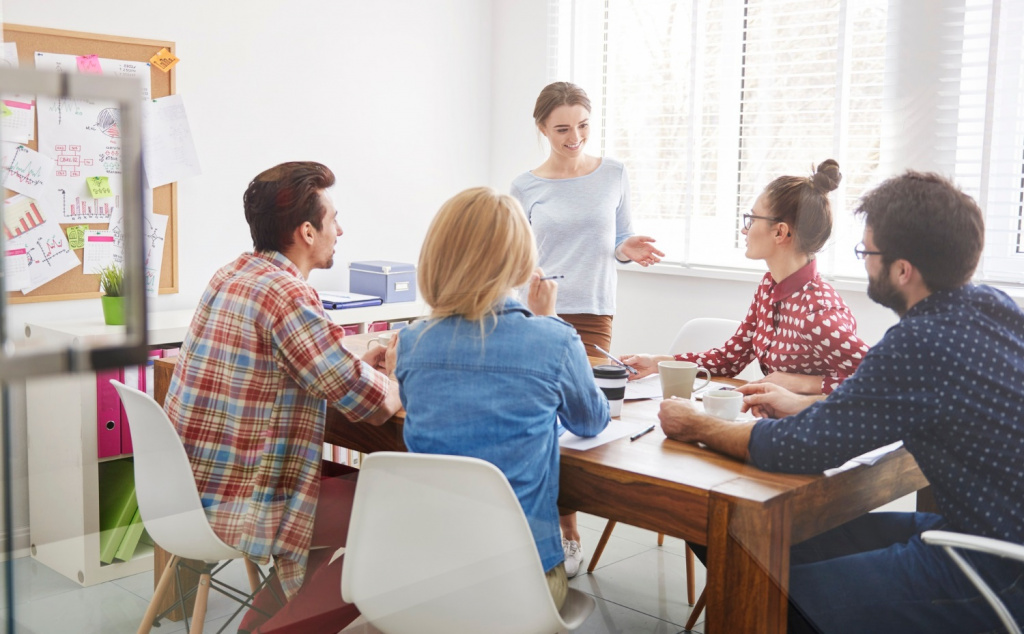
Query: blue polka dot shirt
[947, 380]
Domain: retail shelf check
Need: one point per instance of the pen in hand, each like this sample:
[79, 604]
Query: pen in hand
[641, 433]
[552, 277]
[629, 368]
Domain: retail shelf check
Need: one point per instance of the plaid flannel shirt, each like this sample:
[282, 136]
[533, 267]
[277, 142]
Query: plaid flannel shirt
[249, 397]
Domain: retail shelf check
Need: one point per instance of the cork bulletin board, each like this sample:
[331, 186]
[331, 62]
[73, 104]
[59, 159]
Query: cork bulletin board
[75, 284]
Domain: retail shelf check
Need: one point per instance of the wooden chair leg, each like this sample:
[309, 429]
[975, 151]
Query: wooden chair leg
[697, 609]
[661, 539]
[690, 583]
[254, 575]
[161, 589]
[608, 528]
[202, 594]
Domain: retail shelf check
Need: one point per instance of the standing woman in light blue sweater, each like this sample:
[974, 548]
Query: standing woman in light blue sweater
[578, 206]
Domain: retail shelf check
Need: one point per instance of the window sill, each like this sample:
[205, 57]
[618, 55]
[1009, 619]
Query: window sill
[1015, 291]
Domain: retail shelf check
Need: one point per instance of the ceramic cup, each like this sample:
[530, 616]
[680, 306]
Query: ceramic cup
[383, 339]
[612, 381]
[723, 404]
[677, 378]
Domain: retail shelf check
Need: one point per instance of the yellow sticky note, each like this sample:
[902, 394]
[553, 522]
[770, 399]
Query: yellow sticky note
[99, 186]
[6, 111]
[164, 60]
[76, 236]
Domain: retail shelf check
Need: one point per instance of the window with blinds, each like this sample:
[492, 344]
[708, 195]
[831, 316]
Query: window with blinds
[706, 101]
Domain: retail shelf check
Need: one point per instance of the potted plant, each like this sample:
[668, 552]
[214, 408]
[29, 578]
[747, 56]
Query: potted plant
[112, 285]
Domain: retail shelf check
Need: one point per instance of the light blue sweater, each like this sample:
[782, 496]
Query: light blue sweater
[579, 222]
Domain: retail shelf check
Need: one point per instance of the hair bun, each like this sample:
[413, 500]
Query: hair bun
[827, 177]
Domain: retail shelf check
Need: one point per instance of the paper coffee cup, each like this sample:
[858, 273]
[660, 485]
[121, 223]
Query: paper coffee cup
[612, 381]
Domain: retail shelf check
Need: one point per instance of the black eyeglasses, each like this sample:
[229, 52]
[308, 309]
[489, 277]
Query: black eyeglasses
[748, 220]
[862, 253]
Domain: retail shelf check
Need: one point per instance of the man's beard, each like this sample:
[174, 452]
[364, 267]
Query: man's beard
[882, 291]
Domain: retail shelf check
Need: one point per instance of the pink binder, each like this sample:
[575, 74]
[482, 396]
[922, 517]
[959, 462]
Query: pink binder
[108, 414]
[132, 376]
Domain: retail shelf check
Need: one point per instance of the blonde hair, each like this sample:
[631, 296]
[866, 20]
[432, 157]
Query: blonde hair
[478, 248]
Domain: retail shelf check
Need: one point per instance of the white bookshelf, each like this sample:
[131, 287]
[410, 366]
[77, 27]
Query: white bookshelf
[63, 482]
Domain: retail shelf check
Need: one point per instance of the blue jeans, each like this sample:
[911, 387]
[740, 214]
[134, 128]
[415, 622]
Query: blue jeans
[874, 574]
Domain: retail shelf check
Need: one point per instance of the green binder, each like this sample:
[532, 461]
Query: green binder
[117, 505]
[130, 541]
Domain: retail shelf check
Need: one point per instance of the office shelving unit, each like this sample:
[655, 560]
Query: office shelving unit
[64, 487]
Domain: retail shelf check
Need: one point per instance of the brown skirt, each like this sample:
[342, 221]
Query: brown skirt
[594, 330]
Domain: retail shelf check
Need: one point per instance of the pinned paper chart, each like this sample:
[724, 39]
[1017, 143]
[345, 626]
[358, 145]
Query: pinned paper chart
[99, 250]
[48, 254]
[16, 268]
[26, 171]
[21, 215]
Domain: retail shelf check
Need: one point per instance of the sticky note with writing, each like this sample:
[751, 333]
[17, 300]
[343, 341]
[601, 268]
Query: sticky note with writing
[5, 110]
[99, 187]
[164, 60]
[89, 64]
[76, 236]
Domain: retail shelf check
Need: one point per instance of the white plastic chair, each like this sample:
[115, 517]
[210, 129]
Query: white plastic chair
[440, 544]
[950, 541]
[173, 514]
[704, 333]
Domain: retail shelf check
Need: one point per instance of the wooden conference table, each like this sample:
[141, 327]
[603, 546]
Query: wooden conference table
[748, 518]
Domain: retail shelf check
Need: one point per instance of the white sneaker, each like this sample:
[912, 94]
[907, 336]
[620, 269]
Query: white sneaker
[573, 557]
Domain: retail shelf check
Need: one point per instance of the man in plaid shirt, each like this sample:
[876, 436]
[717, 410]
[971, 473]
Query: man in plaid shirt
[257, 370]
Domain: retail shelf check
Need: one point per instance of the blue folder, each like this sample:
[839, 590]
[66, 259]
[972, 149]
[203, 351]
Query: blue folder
[334, 301]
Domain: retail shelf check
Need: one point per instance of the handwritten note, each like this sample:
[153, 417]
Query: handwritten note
[76, 236]
[26, 171]
[168, 154]
[99, 187]
[89, 64]
[164, 60]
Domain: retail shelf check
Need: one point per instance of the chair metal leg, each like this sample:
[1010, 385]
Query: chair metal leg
[161, 589]
[254, 575]
[202, 594]
[690, 584]
[697, 609]
[601, 543]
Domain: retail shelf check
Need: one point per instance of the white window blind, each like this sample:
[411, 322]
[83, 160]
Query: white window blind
[706, 101]
[990, 130]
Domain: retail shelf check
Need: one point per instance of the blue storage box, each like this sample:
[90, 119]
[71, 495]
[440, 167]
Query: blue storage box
[391, 281]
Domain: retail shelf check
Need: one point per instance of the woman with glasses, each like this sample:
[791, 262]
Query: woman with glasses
[798, 328]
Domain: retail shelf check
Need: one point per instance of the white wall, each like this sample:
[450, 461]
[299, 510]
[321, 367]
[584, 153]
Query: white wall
[394, 96]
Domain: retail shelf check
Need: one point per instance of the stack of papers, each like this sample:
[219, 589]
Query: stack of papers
[334, 301]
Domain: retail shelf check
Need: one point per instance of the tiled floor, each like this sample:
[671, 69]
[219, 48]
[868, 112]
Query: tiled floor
[639, 587]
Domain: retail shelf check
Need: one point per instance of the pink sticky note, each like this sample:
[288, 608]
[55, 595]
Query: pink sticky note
[89, 64]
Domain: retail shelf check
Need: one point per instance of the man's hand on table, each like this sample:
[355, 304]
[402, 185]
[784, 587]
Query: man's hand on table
[768, 400]
[680, 420]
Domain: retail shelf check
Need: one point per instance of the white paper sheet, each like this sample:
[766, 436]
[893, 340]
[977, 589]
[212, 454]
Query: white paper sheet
[868, 458]
[49, 254]
[155, 235]
[16, 268]
[25, 170]
[99, 250]
[169, 154]
[645, 388]
[19, 121]
[83, 137]
[616, 429]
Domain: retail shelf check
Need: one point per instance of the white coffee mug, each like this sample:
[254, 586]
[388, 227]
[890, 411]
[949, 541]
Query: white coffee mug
[383, 339]
[723, 404]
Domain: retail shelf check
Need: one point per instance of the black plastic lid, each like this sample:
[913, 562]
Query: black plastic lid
[609, 372]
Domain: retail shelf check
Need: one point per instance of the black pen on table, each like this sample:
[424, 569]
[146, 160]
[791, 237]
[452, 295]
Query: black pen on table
[552, 277]
[641, 433]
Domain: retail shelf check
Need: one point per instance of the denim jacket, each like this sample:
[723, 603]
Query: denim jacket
[500, 399]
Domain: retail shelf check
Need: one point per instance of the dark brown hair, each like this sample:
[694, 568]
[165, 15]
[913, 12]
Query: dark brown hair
[560, 93]
[281, 199]
[802, 203]
[926, 220]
